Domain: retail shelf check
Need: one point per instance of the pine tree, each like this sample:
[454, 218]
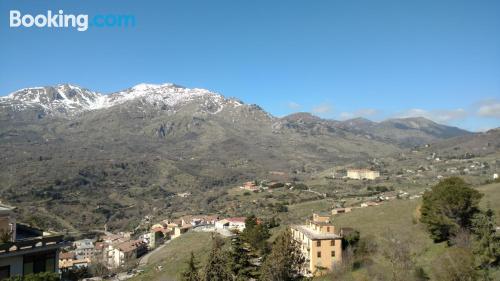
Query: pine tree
[255, 234]
[217, 268]
[240, 265]
[191, 273]
[285, 262]
[486, 245]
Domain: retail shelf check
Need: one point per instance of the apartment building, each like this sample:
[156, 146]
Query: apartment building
[320, 244]
[25, 250]
[359, 174]
[84, 249]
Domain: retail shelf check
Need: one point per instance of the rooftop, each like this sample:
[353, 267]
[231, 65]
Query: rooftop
[313, 235]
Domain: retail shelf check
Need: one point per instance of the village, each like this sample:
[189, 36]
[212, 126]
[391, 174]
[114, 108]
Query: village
[121, 255]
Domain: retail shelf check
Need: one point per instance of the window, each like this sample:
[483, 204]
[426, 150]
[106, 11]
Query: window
[327, 229]
[4, 272]
[318, 243]
[319, 255]
[332, 243]
[333, 253]
[43, 262]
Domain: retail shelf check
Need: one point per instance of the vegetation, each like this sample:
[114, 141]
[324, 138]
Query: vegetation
[285, 262]
[255, 234]
[192, 271]
[216, 268]
[43, 276]
[450, 206]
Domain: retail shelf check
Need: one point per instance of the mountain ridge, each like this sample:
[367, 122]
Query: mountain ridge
[167, 94]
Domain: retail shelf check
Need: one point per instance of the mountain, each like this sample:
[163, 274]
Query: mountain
[406, 132]
[81, 159]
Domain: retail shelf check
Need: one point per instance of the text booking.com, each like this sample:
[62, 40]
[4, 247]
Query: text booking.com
[59, 19]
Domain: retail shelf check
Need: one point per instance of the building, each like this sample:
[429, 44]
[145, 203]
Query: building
[368, 204]
[120, 254]
[68, 260]
[231, 224]
[250, 186]
[360, 174]
[84, 249]
[337, 211]
[24, 249]
[320, 245]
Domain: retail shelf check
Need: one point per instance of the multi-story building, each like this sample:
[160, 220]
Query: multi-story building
[25, 250]
[359, 174]
[122, 253]
[84, 249]
[320, 244]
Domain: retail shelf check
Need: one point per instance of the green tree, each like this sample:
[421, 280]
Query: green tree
[255, 234]
[239, 262]
[285, 261]
[486, 244]
[191, 273]
[217, 268]
[449, 206]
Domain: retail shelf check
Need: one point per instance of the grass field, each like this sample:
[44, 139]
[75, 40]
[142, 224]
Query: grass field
[399, 218]
[173, 257]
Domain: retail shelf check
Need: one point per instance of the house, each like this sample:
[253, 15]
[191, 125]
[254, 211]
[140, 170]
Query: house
[204, 220]
[69, 260]
[250, 186]
[179, 230]
[320, 245]
[66, 259]
[237, 223]
[84, 249]
[337, 211]
[122, 253]
[368, 204]
[359, 174]
[25, 249]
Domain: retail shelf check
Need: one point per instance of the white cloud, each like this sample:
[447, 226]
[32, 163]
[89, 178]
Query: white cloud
[293, 105]
[364, 112]
[489, 109]
[440, 115]
[323, 108]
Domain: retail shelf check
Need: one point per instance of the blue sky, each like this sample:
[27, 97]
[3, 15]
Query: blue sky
[337, 59]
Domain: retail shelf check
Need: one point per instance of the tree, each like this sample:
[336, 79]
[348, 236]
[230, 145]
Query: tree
[217, 268]
[75, 273]
[285, 262]
[449, 206]
[456, 264]
[486, 244]
[398, 254]
[255, 234]
[239, 262]
[98, 269]
[191, 273]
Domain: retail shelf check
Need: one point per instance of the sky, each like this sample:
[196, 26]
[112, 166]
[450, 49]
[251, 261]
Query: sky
[337, 59]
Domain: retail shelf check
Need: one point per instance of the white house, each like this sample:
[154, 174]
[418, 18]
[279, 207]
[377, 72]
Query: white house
[231, 223]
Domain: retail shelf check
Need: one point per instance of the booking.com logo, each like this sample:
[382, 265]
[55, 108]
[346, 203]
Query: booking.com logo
[59, 19]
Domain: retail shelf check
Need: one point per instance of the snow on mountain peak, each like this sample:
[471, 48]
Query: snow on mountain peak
[69, 99]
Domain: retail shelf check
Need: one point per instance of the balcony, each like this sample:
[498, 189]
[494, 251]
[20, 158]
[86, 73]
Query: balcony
[28, 238]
